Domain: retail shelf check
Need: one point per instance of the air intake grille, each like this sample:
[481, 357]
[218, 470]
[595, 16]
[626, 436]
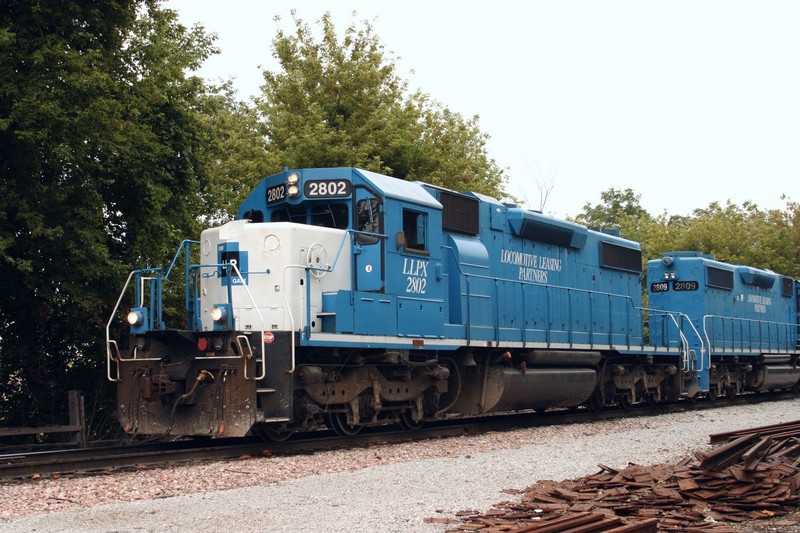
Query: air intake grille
[620, 257]
[722, 279]
[459, 213]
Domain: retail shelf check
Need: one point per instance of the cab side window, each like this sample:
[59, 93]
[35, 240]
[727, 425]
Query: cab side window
[368, 220]
[415, 228]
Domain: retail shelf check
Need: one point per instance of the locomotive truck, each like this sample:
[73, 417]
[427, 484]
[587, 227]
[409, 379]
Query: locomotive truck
[345, 298]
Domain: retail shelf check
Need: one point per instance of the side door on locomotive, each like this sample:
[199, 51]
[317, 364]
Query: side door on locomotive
[398, 288]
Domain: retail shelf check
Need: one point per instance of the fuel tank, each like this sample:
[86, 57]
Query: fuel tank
[776, 377]
[500, 388]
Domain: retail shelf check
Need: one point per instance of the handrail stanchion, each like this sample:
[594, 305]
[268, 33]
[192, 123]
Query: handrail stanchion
[260, 317]
[108, 330]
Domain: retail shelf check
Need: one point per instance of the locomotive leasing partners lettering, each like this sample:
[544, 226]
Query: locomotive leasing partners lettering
[760, 302]
[532, 267]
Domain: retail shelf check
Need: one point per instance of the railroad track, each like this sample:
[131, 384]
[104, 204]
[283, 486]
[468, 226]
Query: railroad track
[102, 459]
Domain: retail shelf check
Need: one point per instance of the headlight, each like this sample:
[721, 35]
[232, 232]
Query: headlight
[293, 182]
[135, 318]
[219, 314]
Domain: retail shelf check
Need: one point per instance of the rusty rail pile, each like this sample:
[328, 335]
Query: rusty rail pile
[755, 474]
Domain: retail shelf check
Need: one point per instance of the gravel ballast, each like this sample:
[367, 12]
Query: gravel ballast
[382, 488]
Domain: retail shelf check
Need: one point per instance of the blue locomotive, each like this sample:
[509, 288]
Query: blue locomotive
[346, 298]
[743, 322]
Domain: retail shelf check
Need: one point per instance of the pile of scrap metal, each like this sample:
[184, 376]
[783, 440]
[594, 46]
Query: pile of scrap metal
[754, 475]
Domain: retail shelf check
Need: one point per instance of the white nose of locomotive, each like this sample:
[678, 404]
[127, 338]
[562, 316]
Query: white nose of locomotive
[270, 276]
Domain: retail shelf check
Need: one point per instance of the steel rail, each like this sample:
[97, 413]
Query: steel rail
[103, 459]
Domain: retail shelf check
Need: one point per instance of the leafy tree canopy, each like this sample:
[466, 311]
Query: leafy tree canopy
[341, 103]
[616, 207]
[735, 234]
[109, 151]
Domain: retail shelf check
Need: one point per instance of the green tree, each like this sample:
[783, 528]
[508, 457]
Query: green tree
[743, 235]
[233, 154]
[786, 231]
[735, 234]
[342, 104]
[108, 155]
[450, 151]
[57, 64]
[622, 210]
[718, 230]
[616, 208]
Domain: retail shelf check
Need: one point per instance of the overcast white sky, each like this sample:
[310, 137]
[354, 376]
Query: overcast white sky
[685, 102]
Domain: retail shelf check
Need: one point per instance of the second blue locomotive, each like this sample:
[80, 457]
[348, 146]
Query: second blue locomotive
[347, 298]
[740, 322]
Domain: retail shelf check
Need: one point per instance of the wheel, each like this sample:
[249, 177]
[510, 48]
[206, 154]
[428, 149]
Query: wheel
[712, 393]
[730, 392]
[625, 402]
[338, 423]
[595, 402]
[408, 422]
[650, 399]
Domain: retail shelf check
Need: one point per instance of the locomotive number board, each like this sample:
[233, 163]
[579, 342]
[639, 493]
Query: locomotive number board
[685, 285]
[663, 286]
[326, 189]
[276, 194]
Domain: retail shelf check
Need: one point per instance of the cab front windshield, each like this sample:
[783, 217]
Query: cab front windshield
[327, 215]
